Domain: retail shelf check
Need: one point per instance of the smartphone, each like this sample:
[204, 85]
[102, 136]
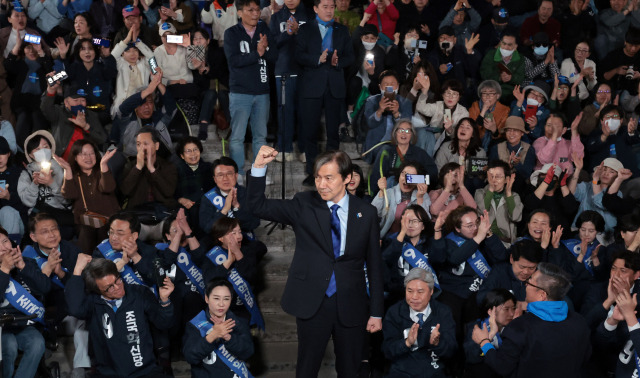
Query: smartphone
[422, 45]
[32, 38]
[102, 42]
[389, 94]
[174, 39]
[530, 112]
[449, 66]
[153, 63]
[519, 151]
[447, 114]
[3, 184]
[369, 58]
[52, 80]
[417, 179]
[489, 116]
[158, 272]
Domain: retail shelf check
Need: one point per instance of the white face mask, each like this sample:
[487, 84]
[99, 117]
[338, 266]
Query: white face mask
[614, 124]
[368, 45]
[408, 42]
[41, 155]
[505, 52]
[532, 102]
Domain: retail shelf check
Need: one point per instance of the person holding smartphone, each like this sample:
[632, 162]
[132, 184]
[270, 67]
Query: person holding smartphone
[12, 211]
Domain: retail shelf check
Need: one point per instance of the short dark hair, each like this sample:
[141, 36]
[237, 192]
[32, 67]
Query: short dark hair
[342, 160]
[125, 216]
[98, 268]
[35, 142]
[611, 108]
[449, 167]
[542, 1]
[78, 49]
[166, 225]
[387, 73]
[494, 298]
[202, 31]
[361, 190]
[554, 281]
[510, 32]
[453, 84]
[633, 36]
[543, 211]
[557, 114]
[454, 219]
[240, 4]
[224, 160]
[628, 222]
[87, 17]
[527, 249]
[221, 227]
[186, 140]
[37, 218]
[499, 164]
[631, 259]
[149, 130]
[317, 2]
[593, 217]
[219, 282]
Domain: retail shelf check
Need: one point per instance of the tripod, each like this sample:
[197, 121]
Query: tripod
[283, 106]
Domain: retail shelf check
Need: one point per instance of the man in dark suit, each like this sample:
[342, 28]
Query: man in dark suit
[323, 50]
[336, 234]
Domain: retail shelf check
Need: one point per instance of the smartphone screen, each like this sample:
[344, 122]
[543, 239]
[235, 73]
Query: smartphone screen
[32, 38]
[174, 39]
[417, 179]
[3, 184]
[153, 64]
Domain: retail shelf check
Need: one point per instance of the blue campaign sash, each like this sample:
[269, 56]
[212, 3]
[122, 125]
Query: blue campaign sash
[477, 261]
[217, 200]
[218, 256]
[30, 252]
[573, 245]
[128, 275]
[486, 321]
[416, 259]
[22, 300]
[204, 326]
[193, 273]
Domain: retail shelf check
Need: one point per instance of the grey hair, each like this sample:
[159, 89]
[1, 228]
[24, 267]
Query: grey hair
[490, 84]
[420, 274]
[555, 281]
[342, 160]
[414, 137]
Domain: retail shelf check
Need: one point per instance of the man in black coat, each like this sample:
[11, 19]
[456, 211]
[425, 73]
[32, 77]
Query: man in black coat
[336, 234]
[324, 50]
[548, 340]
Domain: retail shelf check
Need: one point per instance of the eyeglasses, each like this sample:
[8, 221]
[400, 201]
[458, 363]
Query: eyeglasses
[563, 88]
[610, 116]
[414, 222]
[582, 51]
[528, 282]
[603, 92]
[223, 175]
[451, 94]
[541, 45]
[115, 283]
[487, 94]
[406, 131]
[471, 226]
[195, 150]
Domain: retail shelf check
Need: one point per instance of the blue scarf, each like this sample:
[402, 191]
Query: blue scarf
[327, 40]
[550, 311]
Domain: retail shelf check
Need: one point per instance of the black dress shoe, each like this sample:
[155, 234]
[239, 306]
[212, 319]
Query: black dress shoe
[309, 181]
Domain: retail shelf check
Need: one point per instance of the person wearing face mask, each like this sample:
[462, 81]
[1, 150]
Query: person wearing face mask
[383, 15]
[540, 62]
[383, 110]
[71, 121]
[553, 148]
[613, 139]
[453, 61]
[368, 65]
[40, 185]
[405, 54]
[534, 95]
[491, 32]
[590, 194]
[504, 64]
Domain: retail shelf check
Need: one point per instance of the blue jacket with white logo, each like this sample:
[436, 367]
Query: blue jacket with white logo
[248, 71]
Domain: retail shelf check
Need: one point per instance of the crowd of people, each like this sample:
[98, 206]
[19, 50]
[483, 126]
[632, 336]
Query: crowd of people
[497, 201]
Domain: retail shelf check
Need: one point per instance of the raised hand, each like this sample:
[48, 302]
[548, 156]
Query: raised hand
[265, 156]
[412, 336]
[323, 56]
[165, 290]
[434, 339]
[519, 95]
[557, 235]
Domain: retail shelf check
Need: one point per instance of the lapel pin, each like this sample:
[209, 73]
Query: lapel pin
[359, 215]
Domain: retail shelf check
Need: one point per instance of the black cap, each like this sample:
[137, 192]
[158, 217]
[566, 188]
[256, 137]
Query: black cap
[4, 146]
[74, 91]
[500, 15]
[369, 29]
[541, 38]
[447, 30]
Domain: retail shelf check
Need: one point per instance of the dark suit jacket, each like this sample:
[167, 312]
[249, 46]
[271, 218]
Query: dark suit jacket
[5, 33]
[313, 261]
[316, 77]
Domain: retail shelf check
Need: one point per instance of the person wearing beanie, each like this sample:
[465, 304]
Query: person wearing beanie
[535, 98]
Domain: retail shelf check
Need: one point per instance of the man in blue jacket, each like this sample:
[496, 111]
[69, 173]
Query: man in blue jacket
[248, 47]
[549, 323]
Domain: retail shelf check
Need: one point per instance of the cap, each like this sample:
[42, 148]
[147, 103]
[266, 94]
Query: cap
[563, 80]
[541, 87]
[130, 10]
[500, 15]
[166, 27]
[447, 30]
[74, 92]
[4, 146]
[17, 6]
[515, 123]
[540, 38]
[369, 29]
[613, 163]
[543, 171]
